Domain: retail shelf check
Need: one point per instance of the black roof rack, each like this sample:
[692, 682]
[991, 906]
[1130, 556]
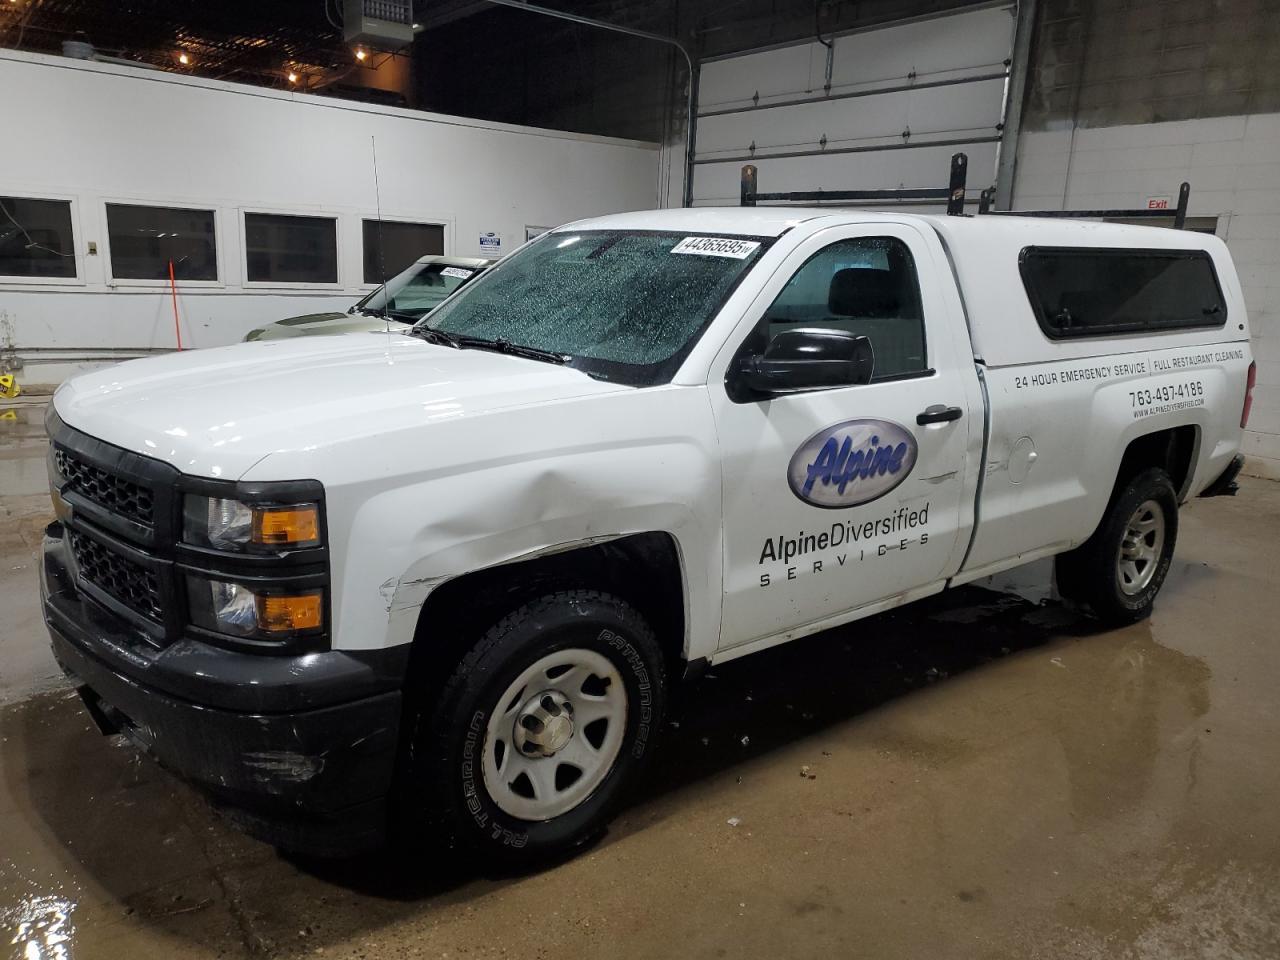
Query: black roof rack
[1179, 213]
[954, 195]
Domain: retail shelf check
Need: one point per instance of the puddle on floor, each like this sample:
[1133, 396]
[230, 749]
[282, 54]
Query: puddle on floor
[22, 447]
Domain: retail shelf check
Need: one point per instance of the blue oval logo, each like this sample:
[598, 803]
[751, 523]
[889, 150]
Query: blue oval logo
[851, 463]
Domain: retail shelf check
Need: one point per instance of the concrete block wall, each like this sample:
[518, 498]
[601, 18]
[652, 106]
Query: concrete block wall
[1111, 62]
[1233, 165]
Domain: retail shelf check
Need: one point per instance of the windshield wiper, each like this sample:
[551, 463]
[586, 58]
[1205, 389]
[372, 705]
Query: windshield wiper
[431, 335]
[497, 345]
[503, 345]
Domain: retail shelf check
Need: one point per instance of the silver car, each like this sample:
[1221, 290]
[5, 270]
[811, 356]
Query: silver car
[404, 300]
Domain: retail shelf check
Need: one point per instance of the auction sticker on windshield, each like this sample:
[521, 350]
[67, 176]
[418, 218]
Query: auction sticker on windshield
[717, 247]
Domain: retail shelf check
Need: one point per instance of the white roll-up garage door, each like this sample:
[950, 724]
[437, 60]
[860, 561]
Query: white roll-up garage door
[902, 99]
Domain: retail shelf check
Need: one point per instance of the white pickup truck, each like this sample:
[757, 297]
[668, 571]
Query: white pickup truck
[382, 581]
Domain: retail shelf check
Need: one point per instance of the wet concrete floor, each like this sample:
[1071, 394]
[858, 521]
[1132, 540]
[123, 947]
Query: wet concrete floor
[979, 776]
[26, 665]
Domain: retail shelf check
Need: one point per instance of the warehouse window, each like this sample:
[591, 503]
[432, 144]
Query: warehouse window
[145, 240]
[36, 238]
[1091, 292]
[393, 246]
[289, 249]
[866, 286]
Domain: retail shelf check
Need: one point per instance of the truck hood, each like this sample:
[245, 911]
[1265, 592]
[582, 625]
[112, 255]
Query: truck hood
[217, 412]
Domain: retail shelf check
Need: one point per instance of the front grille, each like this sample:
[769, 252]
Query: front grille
[130, 583]
[122, 533]
[106, 489]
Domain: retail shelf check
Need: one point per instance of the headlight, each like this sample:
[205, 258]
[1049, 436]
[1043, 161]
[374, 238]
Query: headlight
[242, 611]
[225, 524]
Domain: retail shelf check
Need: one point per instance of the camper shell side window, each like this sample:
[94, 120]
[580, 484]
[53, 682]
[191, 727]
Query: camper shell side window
[1098, 292]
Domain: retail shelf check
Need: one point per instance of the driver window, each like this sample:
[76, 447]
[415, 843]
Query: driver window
[865, 286]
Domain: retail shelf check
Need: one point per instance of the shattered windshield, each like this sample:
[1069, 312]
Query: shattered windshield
[623, 305]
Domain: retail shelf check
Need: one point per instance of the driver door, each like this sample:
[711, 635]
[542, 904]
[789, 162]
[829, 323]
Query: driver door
[838, 499]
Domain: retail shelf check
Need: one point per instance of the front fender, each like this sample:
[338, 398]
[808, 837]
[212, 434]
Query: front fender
[478, 492]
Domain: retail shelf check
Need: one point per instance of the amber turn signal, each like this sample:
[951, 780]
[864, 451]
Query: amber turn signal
[297, 526]
[279, 614]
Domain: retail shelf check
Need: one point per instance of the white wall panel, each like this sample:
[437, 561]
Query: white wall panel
[942, 112]
[774, 74]
[94, 132]
[955, 45]
[718, 183]
[964, 45]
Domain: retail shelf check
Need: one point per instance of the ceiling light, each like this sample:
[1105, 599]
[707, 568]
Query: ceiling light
[184, 59]
[360, 55]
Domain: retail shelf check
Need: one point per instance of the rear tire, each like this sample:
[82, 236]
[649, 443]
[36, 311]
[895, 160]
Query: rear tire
[1119, 570]
[540, 730]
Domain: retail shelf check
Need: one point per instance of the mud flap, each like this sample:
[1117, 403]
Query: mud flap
[1226, 485]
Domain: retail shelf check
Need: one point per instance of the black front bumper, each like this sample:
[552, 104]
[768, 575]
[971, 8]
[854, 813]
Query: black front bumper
[301, 749]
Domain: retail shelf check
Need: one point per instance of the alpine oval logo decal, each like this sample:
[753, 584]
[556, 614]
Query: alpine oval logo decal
[851, 463]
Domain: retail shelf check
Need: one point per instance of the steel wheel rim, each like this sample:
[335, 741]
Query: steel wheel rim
[554, 734]
[1139, 554]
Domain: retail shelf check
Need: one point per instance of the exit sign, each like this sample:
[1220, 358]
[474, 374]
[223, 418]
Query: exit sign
[1158, 203]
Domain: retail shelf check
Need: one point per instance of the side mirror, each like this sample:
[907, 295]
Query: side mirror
[806, 359]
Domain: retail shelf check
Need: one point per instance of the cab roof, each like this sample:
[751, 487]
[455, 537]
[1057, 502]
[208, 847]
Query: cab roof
[739, 221]
[773, 221]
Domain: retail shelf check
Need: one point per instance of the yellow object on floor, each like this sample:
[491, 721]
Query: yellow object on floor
[9, 386]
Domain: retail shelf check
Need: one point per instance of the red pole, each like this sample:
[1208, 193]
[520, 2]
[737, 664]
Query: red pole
[173, 287]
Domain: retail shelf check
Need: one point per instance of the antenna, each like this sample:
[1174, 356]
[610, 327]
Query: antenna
[382, 250]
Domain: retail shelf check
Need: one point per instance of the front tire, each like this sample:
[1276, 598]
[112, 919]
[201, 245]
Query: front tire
[1119, 570]
[541, 728]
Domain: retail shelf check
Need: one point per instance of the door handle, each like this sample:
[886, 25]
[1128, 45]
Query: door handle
[938, 413]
